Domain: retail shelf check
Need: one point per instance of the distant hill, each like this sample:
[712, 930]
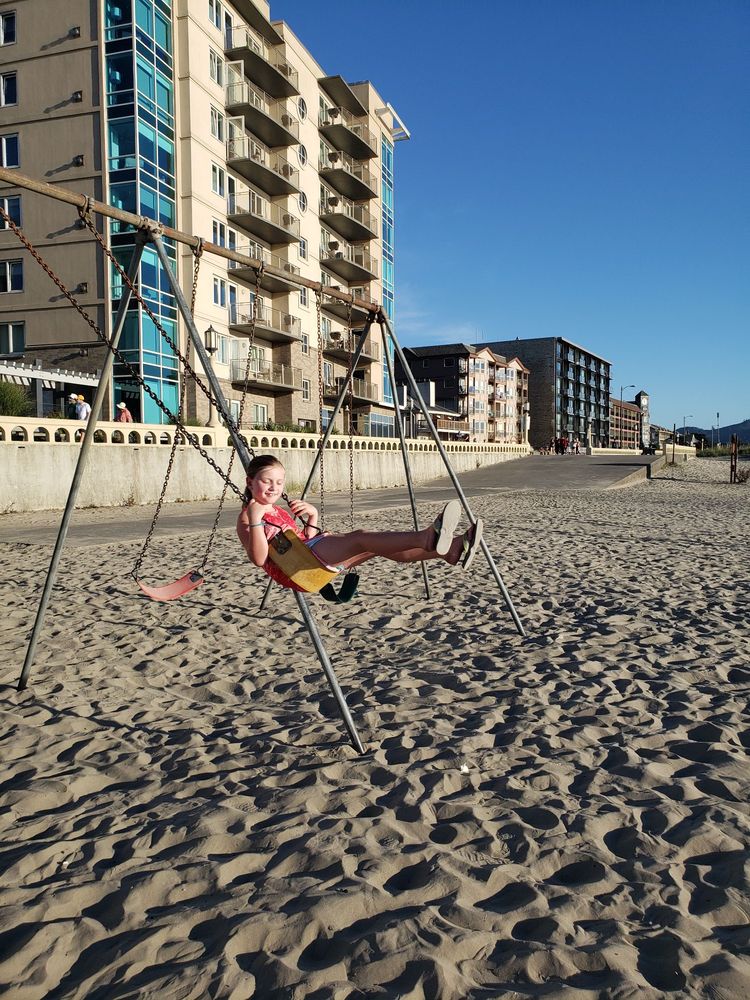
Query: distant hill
[742, 431]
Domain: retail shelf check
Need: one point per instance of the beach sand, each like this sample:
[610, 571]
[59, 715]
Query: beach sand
[561, 816]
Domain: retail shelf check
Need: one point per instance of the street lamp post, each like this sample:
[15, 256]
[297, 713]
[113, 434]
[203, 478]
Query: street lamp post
[684, 422]
[622, 389]
[211, 342]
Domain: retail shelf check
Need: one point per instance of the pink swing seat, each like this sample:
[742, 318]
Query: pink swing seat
[170, 591]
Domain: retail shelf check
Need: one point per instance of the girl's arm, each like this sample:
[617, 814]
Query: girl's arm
[301, 508]
[251, 533]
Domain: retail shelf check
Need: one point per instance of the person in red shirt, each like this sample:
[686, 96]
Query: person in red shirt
[261, 520]
[124, 416]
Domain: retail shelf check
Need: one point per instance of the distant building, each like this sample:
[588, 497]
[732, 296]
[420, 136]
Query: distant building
[624, 424]
[487, 394]
[568, 389]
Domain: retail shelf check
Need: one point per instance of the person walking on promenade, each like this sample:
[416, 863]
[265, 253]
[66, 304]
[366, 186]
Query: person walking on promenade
[83, 410]
[124, 416]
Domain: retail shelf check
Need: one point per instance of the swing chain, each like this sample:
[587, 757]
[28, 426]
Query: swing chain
[191, 438]
[198, 251]
[318, 305]
[350, 347]
[248, 364]
[142, 302]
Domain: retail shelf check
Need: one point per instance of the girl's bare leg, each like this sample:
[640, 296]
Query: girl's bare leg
[356, 547]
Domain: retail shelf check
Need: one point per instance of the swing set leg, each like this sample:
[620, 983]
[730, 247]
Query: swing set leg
[325, 662]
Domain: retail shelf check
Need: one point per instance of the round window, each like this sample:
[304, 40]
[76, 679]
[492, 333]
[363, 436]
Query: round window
[302, 108]
[302, 201]
[302, 155]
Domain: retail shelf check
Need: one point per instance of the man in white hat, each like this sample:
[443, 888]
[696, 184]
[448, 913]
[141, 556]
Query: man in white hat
[124, 416]
[72, 410]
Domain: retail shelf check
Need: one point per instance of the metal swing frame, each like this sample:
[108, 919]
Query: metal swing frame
[149, 232]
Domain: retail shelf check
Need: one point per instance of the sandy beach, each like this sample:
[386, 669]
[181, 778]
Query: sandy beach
[559, 816]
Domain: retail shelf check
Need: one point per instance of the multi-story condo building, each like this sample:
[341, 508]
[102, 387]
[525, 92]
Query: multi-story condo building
[568, 389]
[485, 392]
[629, 422]
[210, 118]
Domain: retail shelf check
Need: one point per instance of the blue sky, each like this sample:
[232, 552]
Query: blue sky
[577, 168]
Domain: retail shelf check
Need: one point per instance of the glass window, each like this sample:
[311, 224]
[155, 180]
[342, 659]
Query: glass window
[216, 67]
[306, 390]
[217, 124]
[150, 268]
[150, 337]
[302, 155]
[145, 76]
[166, 155]
[120, 75]
[8, 89]
[148, 202]
[12, 207]
[144, 16]
[217, 179]
[220, 292]
[303, 297]
[260, 414]
[302, 201]
[12, 338]
[164, 93]
[305, 343]
[302, 108]
[11, 276]
[214, 12]
[163, 33]
[121, 136]
[166, 211]
[219, 233]
[7, 28]
[303, 249]
[9, 150]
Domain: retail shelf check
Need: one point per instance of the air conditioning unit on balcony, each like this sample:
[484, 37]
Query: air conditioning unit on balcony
[333, 157]
[286, 120]
[286, 169]
[288, 319]
[339, 255]
[333, 245]
[287, 220]
[333, 202]
[256, 152]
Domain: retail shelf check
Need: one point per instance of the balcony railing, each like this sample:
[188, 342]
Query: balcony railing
[350, 220]
[350, 177]
[267, 66]
[263, 218]
[348, 133]
[267, 118]
[360, 388]
[269, 170]
[266, 319]
[338, 346]
[281, 376]
[350, 262]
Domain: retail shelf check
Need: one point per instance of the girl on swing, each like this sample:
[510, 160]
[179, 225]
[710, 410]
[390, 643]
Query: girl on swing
[261, 520]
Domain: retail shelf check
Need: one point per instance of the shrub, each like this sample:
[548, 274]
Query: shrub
[14, 401]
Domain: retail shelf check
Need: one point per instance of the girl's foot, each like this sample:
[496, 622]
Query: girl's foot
[471, 543]
[443, 527]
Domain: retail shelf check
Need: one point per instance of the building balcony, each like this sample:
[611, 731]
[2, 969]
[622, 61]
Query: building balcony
[268, 222]
[349, 177]
[262, 65]
[340, 309]
[269, 171]
[273, 325]
[336, 347]
[445, 425]
[361, 390]
[353, 222]
[269, 120]
[273, 378]
[269, 282]
[348, 133]
[352, 263]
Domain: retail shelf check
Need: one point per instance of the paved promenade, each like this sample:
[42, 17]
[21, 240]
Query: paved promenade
[538, 472]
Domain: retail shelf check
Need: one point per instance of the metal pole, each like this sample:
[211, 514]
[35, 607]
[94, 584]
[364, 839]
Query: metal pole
[244, 455]
[88, 439]
[405, 452]
[328, 671]
[383, 319]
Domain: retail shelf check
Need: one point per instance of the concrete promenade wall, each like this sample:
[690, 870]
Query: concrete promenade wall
[128, 463]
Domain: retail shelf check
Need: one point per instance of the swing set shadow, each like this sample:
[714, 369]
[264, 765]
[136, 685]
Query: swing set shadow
[152, 233]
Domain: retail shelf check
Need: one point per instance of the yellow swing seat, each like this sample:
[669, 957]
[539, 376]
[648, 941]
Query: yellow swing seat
[292, 556]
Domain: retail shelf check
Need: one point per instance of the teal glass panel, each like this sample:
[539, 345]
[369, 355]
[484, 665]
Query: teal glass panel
[144, 16]
[145, 76]
[166, 211]
[121, 144]
[150, 336]
[150, 268]
[129, 335]
[146, 141]
[166, 155]
[148, 202]
[163, 32]
[164, 93]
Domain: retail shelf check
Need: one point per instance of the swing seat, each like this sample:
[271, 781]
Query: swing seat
[295, 560]
[170, 591]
